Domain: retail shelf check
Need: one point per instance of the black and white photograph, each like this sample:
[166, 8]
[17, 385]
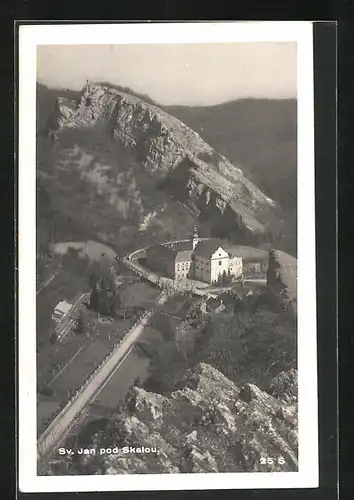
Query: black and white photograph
[167, 295]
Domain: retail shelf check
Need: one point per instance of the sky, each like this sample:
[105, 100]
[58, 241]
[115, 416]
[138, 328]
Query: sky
[176, 74]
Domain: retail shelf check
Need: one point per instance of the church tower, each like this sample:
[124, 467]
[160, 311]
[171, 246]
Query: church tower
[195, 238]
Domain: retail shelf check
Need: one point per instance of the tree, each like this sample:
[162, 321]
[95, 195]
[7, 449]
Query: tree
[225, 279]
[94, 297]
[225, 346]
[167, 367]
[82, 322]
[239, 305]
[250, 347]
[102, 270]
[104, 301]
[93, 275]
[70, 258]
[116, 304]
[53, 337]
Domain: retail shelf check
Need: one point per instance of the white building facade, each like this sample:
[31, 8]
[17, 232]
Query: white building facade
[61, 310]
[201, 260]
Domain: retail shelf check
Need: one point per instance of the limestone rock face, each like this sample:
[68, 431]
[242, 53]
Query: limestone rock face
[282, 278]
[204, 427]
[284, 387]
[169, 150]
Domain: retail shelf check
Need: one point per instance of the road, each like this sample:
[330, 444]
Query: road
[193, 286]
[46, 283]
[70, 416]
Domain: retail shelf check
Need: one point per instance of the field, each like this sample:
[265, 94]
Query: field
[135, 366]
[93, 249]
[63, 367]
[139, 295]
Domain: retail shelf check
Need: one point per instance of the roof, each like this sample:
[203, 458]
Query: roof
[183, 245]
[172, 253]
[234, 256]
[184, 256]
[163, 251]
[206, 248]
[63, 307]
[213, 303]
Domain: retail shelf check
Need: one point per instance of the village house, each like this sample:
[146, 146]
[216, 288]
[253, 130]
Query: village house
[61, 310]
[212, 305]
[201, 260]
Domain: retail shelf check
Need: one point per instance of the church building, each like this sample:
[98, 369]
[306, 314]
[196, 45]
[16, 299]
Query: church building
[200, 259]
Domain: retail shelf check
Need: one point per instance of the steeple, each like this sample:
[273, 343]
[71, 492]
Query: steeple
[195, 238]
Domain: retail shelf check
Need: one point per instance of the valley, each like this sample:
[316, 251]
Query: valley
[112, 178]
[117, 173]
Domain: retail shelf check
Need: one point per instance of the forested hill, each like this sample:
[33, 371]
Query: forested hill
[259, 134]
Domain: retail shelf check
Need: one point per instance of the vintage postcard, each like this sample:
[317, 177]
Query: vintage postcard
[167, 288]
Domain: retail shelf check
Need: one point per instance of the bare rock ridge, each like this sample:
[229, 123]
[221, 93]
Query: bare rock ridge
[208, 425]
[169, 151]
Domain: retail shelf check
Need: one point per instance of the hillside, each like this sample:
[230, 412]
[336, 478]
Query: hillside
[119, 169]
[260, 134]
[282, 277]
[114, 167]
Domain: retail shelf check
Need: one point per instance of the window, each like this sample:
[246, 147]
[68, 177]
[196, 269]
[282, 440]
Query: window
[219, 262]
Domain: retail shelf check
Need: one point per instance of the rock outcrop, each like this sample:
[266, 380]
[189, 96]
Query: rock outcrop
[168, 150]
[210, 425]
[282, 279]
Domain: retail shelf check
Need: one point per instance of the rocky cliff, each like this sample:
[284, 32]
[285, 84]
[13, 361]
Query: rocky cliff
[185, 166]
[209, 425]
[282, 278]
